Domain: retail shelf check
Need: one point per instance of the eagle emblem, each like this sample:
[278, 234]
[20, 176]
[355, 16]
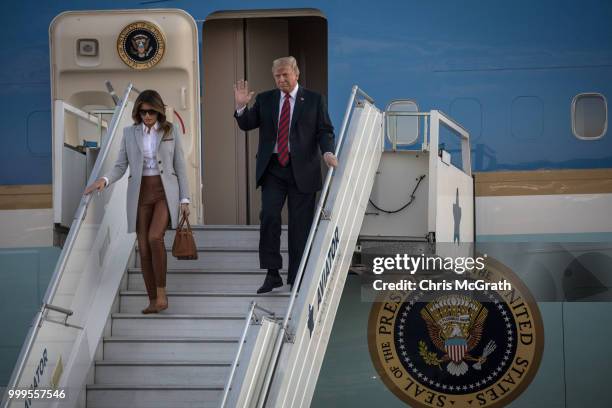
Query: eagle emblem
[141, 45]
[455, 324]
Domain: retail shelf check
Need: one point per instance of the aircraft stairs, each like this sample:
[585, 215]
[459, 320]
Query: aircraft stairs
[182, 356]
[219, 344]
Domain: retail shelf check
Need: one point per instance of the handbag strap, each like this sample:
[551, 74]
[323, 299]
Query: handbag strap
[188, 224]
[182, 223]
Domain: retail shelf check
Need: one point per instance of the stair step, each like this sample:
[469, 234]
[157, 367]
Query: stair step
[141, 396]
[162, 325]
[162, 372]
[169, 348]
[210, 236]
[207, 302]
[196, 280]
[224, 249]
[229, 227]
[218, 258]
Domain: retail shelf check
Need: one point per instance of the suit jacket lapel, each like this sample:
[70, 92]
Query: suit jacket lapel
[138, 136]
[297, 108]
[160, 134]
[275, 107]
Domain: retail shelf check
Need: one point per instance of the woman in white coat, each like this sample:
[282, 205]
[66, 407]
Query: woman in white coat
[158, 180]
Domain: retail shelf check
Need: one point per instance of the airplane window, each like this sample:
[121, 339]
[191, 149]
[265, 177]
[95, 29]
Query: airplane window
[403, 129]
[589, 116]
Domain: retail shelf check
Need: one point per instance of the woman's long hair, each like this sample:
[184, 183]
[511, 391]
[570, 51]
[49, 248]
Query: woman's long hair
[154, 99]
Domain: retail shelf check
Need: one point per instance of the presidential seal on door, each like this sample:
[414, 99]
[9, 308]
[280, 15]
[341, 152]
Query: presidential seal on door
[141, 45]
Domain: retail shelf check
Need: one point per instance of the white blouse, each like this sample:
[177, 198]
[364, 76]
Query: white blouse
[149, 142]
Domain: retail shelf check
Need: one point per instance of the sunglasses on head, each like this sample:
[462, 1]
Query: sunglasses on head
[151, 112]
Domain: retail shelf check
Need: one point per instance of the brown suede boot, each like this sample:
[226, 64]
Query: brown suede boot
[162, 299]
[152, 308]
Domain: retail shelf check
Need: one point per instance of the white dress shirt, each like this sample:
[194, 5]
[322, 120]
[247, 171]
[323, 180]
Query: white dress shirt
[149, 151]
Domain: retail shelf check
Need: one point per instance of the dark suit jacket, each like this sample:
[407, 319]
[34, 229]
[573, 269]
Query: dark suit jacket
[310, 129]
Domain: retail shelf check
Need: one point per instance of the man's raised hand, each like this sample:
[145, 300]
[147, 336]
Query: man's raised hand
[242, 96]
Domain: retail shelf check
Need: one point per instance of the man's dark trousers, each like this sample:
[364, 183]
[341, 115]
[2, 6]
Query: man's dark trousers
[278, 185]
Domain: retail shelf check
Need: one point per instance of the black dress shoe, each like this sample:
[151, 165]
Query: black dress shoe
[270, 283]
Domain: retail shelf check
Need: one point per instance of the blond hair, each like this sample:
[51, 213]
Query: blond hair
[286, 62]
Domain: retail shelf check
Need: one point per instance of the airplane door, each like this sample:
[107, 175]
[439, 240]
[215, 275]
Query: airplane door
[238, 45]
[152, 49]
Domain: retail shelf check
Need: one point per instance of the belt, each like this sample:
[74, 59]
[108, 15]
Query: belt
[275, 158]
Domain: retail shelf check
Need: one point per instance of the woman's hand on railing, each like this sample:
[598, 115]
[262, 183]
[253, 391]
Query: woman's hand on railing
[98, 185]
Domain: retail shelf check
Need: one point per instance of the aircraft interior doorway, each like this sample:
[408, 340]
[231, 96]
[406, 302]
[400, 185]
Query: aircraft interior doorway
[238, 45]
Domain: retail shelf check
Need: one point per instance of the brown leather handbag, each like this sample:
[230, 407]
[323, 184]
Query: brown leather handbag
[184, 246]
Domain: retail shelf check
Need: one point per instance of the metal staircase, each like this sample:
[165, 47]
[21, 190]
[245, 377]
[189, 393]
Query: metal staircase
[219, 344]
[182, 356]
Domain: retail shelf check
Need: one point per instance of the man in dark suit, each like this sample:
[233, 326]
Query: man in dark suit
[293, 124]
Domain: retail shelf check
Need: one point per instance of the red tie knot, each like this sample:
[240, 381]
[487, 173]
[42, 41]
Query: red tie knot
[287, 95]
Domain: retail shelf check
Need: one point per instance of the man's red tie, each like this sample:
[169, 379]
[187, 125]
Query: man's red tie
[283, 132]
